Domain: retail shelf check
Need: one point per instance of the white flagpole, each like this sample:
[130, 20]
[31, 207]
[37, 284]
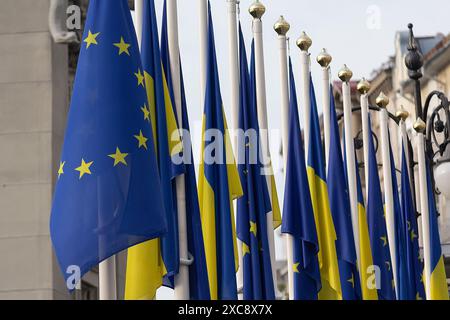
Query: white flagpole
[203, 32]
[233, 54]
[182, 278]
[107, 279]
[282, 27]
[382, 102]
[420, 128]
[138, 12]
[403, 115]
[257, 10]
[345, 74]
[324, 59]
[363, 88]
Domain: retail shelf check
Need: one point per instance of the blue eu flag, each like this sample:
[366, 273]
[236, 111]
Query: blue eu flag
[108, 196]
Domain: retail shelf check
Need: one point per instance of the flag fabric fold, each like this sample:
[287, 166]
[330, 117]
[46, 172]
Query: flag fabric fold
[108, 195]
[329, 269]
[254, 205]
[219, 184]
[340, 209]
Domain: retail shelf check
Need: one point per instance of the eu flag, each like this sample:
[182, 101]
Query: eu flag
[298, 214]
[414, 267]
[108, 195]
[254, 205]
[153, 260]
[198, 275]
[329, 269]
[218, 185]
[377, 228]
[340, 209]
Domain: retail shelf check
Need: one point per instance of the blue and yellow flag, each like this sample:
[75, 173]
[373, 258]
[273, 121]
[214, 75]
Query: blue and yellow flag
[218, 185]
[400, 237]
[340, 209]
[253, 206]
[377, 228]
[298, 213]
[437, 279]
[329, 269]
[108, 194]
[414, 266]
[198, 275]
[152, 259]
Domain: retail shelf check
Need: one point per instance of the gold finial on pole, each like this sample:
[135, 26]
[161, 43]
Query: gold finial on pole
[345, 74]
[257, 10]
[402, 114]
[363, 86]
[304, 42]
[420, 126]
[324, 58]
[382, 100]
[281, 26]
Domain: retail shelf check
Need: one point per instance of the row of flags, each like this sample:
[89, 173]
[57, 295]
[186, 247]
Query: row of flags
[117, 188]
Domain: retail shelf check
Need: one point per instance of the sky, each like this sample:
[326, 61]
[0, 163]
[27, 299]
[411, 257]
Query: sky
[359, 33]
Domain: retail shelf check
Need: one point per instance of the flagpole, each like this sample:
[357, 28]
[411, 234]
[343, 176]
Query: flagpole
[203, 33]
[181, 288]
[345, 74]
[304, 43]
[138, 12]
[403, 115]
[363, 88]
[324, 59]
[382, 102]
[282, 27]
[257, 10]
[420, 129]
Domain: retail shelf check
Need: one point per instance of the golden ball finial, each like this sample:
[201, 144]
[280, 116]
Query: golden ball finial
[281, 26]
[304, 42]
[363, 86]
[345, 74]
[420, 126]
[257, 10]
[382, 100]
[402, 114]
[324, 58]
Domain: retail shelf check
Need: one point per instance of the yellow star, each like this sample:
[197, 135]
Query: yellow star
[123, 46]
[352, 281]
[146, 112]
[118, 157]
[384, 241]
[388, 264]
[61, 168]
[413, 235]
[140, 78]
[418, 297]
[91, 39]
[295, 267]
[142, 140]
[84, 168]
[245, 249]
[253, 228]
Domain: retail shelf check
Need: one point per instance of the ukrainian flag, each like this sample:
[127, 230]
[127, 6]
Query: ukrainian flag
[329, 269]
[198, 275]
[437, 279]
[340, 209]
[377, 228]
[108, 195]
[254, 205]
[414, 266]
[298, 213]
[218, 185]
[150, 261]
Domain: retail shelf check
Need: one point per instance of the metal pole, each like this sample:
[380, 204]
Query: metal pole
[203, 32]
[324, 59]
[363, 88]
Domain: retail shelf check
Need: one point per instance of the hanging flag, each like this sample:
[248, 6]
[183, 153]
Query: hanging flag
[145, 267]
[329, 270]
[219, 185]
[414, 266]
[400, 237]
[254, 205]
[340, 209]
[198, 275]
[437, 278]
[377, 228]
[298, 214]
[108, 195]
